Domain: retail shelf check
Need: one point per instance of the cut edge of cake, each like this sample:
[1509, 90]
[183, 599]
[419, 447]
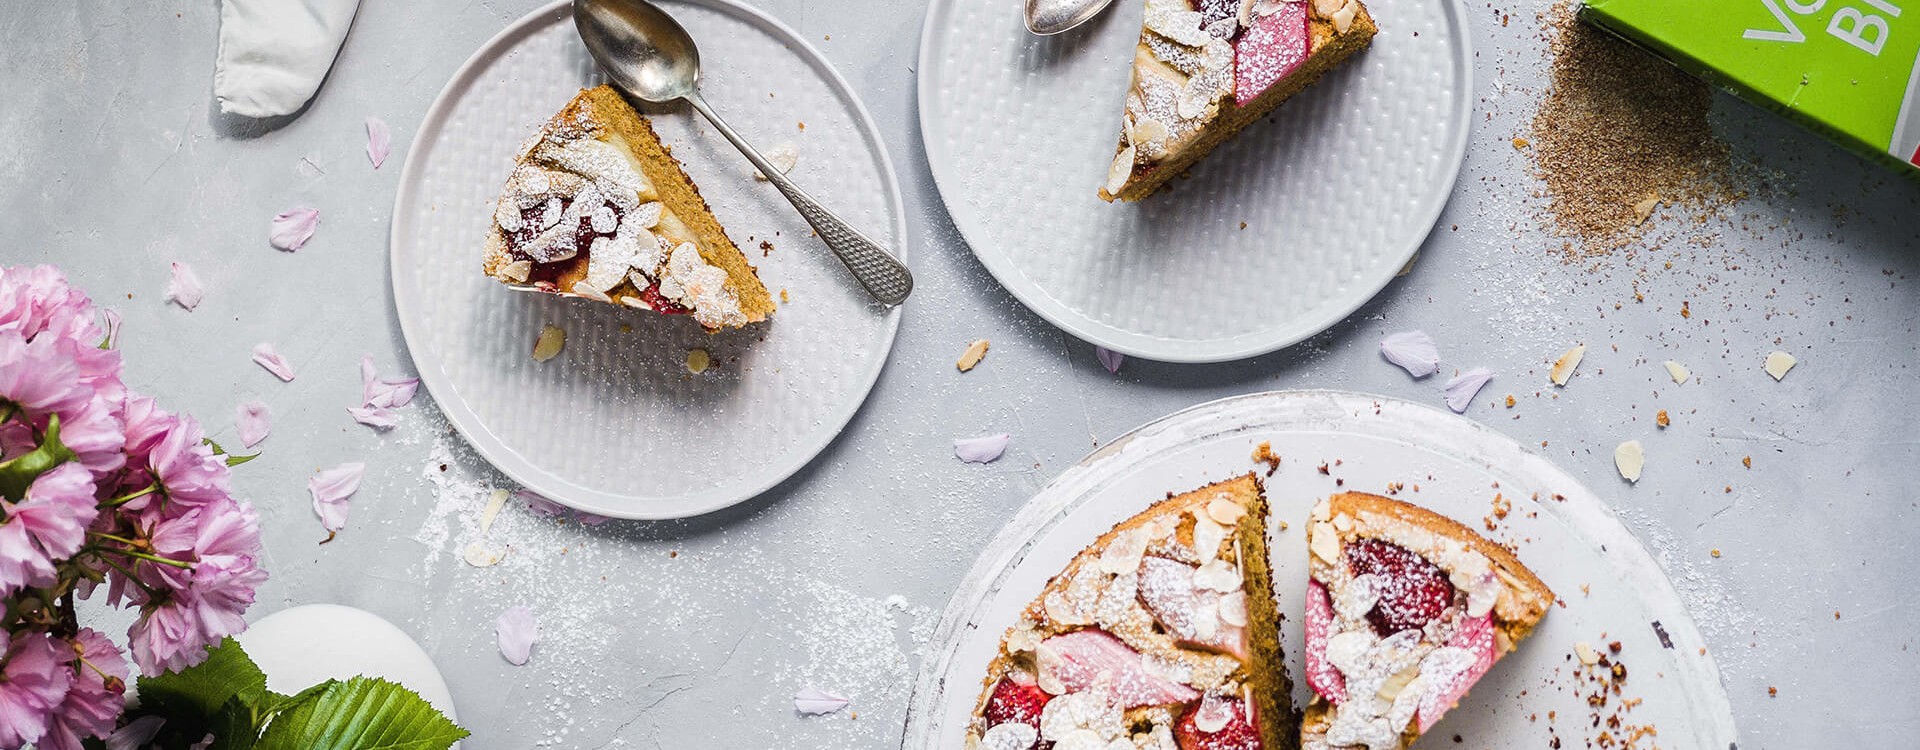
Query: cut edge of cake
[1520, 604]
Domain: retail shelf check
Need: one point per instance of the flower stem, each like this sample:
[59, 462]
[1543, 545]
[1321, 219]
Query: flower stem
[182, 564]
[131, 496]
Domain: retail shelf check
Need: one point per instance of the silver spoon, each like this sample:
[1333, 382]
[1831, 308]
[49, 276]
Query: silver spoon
[649, 57]
[1049, 17]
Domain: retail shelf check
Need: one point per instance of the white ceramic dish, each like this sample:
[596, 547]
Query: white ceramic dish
[1337, 192]
[1611, 588]
[616, 425]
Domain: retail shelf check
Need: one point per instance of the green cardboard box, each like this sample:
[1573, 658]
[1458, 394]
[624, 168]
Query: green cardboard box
[1845, 68]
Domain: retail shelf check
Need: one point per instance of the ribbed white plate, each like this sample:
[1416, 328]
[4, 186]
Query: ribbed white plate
[1611, 588]
[616, 425]
[1337, 190]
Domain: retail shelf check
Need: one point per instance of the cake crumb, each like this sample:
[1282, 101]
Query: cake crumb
[1264, 454]
[1746, 461]
[784, 299]
[972, 356]
[1715, 552]
[1662, 419]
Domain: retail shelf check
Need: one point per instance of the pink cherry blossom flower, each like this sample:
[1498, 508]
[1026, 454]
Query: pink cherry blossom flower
[38, 377]
[96, 698]
[221, 542]
[35, 300]
[166, 638]
[48, 525]
[32, 683]
[186, 467]
[184, 288]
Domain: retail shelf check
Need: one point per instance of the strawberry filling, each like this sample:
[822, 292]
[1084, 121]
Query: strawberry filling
[1269, 49]
[1321, 674]
[1017, 699]
[1414, 590]
[1238, 731]
[1475, 635]
[1076, 661]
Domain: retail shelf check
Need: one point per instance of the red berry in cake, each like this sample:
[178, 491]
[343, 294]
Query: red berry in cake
[1235, 734]
[1018, 700]
[1269, 50]
[1413, 590]
[1215, 10]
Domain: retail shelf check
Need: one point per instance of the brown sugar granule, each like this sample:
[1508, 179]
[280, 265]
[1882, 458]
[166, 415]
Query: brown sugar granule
[1618, 128]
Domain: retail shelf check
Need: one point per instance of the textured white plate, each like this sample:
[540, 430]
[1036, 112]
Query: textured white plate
[616, 425]
[1337, 190]
[1566, 535]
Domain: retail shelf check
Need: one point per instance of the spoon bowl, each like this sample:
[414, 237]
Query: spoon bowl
[644, 51]
[1049, 17]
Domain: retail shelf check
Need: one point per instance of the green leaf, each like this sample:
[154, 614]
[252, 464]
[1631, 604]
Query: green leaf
[238, 460]
[235, 727]
[196, 695]
[363, 713]
[17, 474]
[232, 460]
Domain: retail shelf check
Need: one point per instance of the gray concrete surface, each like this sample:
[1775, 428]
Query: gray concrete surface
[113, 163]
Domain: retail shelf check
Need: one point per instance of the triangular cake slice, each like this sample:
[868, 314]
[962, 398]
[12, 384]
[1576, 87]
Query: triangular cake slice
[1204, 69]
[1406, 610]
[597, 208]
[1161, 635]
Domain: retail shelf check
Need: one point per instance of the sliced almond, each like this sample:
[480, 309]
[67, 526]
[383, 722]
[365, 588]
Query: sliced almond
[1398, 682]
[1778, 363]
[549, 343]
[1645, 208]
[972, 356]
[1225, 511]
[481, 556]
[1343, 522]
[1324, 542]
[1587, 655]
[1121, 170]
[517, 271]
[697, 360]
[1630, 458]
[1678, 372]
[494, 502]
[1564, 366]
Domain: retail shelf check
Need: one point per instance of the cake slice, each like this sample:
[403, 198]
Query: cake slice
[597, 208]
[1161, 635]
[1406, 610]
[1204, 69]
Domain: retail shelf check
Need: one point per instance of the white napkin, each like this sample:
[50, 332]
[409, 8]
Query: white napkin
[273, 53]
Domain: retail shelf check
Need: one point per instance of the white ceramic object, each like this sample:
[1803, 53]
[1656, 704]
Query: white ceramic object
[1449, 464]
[616, 425]
[1337, 190]
[300, 647]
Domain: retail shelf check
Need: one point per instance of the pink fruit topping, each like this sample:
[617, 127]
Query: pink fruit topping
[1078, 660]
[1413, 591]
[1476, 636]
[1238, 732]
[1321, 675]
[1189, 614]
[1269, 49]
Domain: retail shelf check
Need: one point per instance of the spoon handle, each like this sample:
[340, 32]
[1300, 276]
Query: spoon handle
[884, 276]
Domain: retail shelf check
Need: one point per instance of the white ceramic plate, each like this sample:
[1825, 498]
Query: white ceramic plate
[1566, 535]
[616, 425]
[1337, 191]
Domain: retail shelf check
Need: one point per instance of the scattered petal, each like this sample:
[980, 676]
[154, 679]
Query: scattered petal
[265, 356]
[1564, 366]
[983, 449]
[331, 489]
[813, 701]
[183, 288]
[112, 324]
[1630, 458]
[293, 227]
[1413, 351]
[1464, 386]
[1678, 372]
[516, 631]
[1778, 363]
[379, 141]
[378, 418]
[589, 519]
[1109, 359]
[136, 734]
[385, 393]
[254, 422]
[545, 508]
[548, 344]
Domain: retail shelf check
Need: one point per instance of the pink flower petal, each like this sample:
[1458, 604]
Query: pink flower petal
[1413, 351]
[293, 227]
[516, 631]
[1463, 387]
[184, 288]
[331, 489]
[983, 449]
[1109, 359]
[545, 508]
[265, 356]
[373, 416]
[112, 318]
[254, 422]
[379, 141]
[813, 701]
[384, 392]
